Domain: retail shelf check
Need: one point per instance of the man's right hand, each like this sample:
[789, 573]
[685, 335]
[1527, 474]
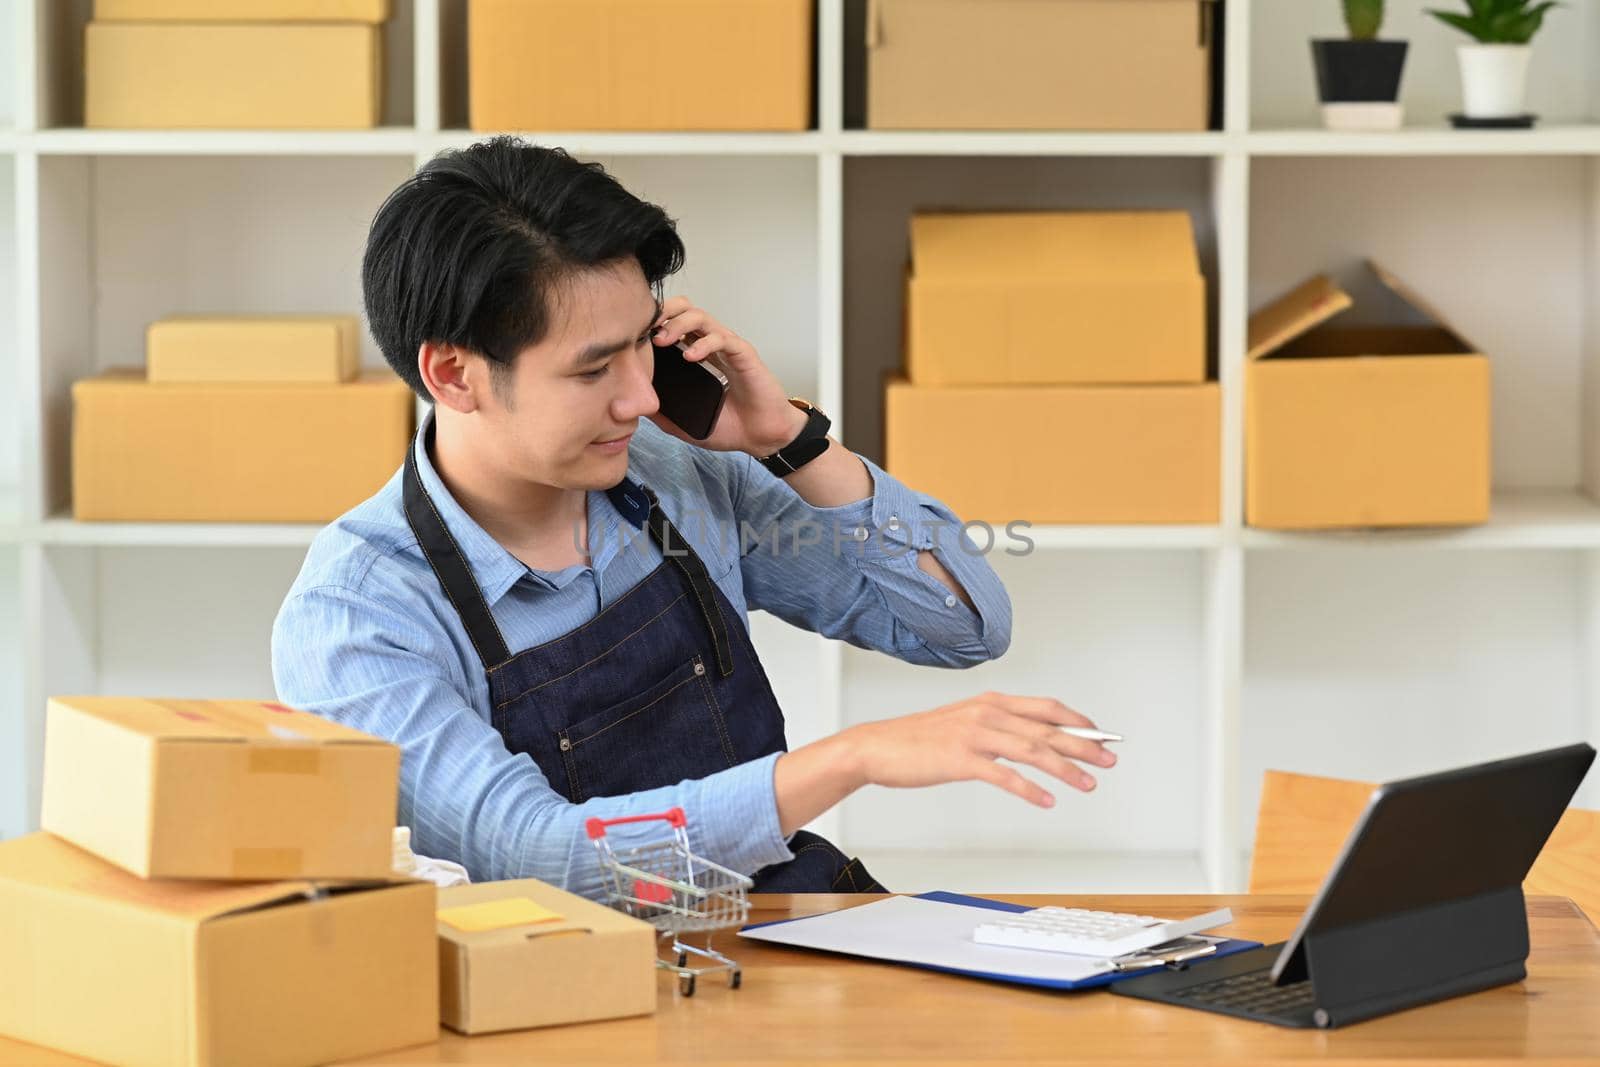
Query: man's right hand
[958, 742]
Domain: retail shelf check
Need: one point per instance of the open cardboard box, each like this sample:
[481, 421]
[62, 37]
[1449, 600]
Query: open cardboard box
[1363, 426]
[103, 964]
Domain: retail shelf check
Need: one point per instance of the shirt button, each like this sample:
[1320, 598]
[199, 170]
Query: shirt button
[949, 601]
[894, 522]
[859, 533]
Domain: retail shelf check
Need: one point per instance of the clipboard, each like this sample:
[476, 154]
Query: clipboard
[988, 963]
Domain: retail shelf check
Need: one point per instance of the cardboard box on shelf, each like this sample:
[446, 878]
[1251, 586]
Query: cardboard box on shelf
[1039, 64]
[193, 75]
[242, 10]
[253, 348]
[618, 64]
[153, 452]
[168, 788]
[102, 964]
[1363, 426]
[1060, 454]
[539, 956]
[1055, 298]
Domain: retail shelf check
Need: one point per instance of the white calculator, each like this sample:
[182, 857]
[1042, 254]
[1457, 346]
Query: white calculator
[1102, 934]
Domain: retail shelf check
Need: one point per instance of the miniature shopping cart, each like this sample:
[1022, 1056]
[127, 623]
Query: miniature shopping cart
[675, 891]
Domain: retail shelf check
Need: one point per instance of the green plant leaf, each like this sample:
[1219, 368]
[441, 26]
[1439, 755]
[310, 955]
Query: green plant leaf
[1465, 23]
[1533, 20]
[1364, 18]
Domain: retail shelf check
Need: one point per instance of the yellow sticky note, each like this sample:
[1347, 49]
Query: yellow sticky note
[496, 914]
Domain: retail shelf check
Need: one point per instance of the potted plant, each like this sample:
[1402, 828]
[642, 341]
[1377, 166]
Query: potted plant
[1358, 79]
[1494, 70]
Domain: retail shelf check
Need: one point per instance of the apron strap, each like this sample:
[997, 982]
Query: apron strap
[676, 549]
[449, 564]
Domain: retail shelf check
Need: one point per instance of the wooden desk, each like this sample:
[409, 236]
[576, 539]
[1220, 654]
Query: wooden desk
[804, 1007]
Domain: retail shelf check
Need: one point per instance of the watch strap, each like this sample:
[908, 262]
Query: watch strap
[811, 442]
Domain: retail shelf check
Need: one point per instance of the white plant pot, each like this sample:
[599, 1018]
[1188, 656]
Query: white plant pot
[1494, 79]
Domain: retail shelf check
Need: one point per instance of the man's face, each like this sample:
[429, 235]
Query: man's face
[573, 400]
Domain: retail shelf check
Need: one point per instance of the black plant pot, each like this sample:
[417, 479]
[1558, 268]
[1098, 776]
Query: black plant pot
[1359, 72]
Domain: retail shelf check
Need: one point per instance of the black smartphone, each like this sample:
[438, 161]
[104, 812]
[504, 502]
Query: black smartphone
[691, 394]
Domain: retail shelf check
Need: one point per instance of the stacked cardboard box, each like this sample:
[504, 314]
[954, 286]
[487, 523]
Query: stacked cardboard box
[1056, 368]
[130, 938]
[1040, 64]
[243, 64]
[1363, 426]
[238, 419]
[631, 64]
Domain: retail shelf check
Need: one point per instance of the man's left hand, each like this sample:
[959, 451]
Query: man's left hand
[756, 416]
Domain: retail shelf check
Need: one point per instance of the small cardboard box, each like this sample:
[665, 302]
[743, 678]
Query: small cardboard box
[1363, 426]
[1061, 454]
[253, 348]
[1076, 298]
[242, 10]
[590, 963]
[202, 452]
[101, 964]
[219, 75]
[218, 789]
[1039, 64]
[628, 64]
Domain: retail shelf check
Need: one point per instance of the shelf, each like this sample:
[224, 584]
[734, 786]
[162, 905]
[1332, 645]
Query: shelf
[1536, 519]
[927, 870]
[1519, 519]
[604, 143]
[388, 141]
[1579, 140]
[1122, 537]
[60, 530]
[1021, 143]
[1427, 141]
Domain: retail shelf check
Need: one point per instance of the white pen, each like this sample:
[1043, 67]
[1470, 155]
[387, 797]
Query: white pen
[1090, 735]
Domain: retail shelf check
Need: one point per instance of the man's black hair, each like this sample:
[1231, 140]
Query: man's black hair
[469, 250]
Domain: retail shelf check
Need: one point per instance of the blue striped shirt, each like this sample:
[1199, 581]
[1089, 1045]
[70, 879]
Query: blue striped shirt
[366, 637]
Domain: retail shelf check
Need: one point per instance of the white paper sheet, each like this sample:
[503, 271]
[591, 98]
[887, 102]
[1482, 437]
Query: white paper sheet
[927, 932]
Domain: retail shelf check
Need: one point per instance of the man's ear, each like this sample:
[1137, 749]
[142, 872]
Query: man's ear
[449, 373]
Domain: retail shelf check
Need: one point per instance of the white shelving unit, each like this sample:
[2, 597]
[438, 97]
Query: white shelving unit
[1219, 650]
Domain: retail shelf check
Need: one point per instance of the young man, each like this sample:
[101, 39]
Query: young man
[545, 608]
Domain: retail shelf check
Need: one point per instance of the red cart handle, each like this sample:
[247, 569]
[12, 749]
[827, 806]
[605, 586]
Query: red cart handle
[597, 827]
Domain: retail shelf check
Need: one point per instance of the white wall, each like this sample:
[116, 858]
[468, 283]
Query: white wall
[1283, 85]
[227, 234]
[1115, 635]
[1380, 664]
[10, 432]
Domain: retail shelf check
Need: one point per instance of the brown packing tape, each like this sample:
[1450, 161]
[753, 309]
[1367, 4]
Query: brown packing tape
[874, 23]
[267, 863]
[285, 760]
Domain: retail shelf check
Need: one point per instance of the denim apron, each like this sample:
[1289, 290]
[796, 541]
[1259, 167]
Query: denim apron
[656, 688]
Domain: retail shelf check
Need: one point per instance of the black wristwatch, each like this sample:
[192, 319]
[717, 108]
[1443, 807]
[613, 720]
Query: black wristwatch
[811, 443]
